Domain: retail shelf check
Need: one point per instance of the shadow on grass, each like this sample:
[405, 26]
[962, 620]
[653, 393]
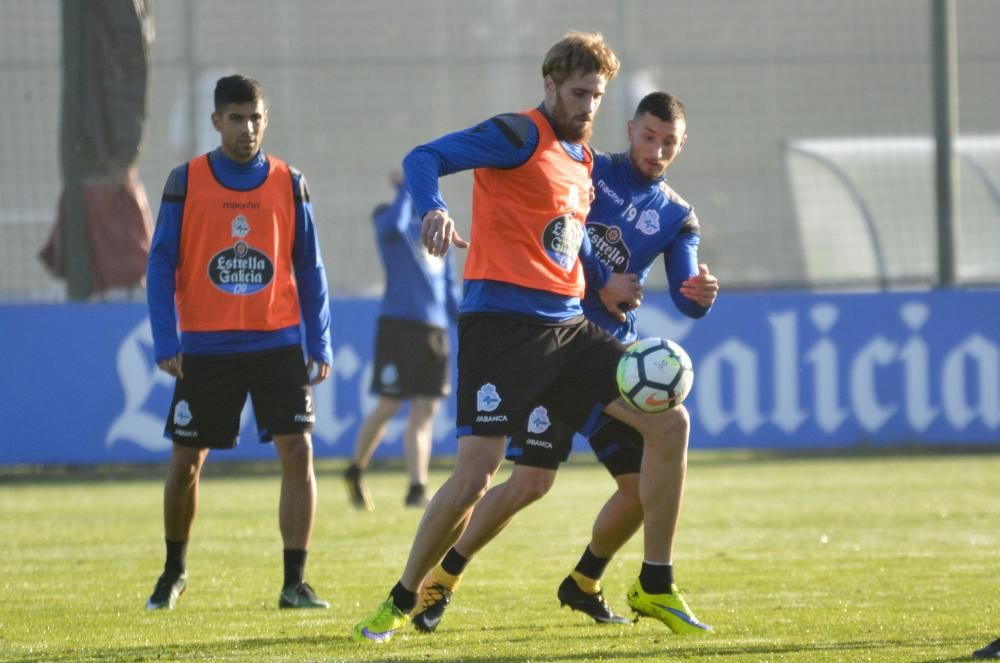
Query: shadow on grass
[341, 648]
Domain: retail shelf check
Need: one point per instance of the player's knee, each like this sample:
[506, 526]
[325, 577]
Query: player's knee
[185, 462]
[472, 489]
[530, 488]
[424, 408]
[673, 425]
[628, 488]
[294, 450]
[667, 431]
[470, 483]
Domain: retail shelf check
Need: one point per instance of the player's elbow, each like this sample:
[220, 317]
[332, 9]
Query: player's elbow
[689, 308]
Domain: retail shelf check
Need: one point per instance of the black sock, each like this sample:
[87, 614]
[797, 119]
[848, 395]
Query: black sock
[353, 472]
[656, 578]
[295, 567]
[454, 563]
[404, 599]
[176, 556]
[591, 565]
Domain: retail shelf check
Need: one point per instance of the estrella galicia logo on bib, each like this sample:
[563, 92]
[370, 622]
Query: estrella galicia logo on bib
[240, 270]
[609, 245]
[561, 240]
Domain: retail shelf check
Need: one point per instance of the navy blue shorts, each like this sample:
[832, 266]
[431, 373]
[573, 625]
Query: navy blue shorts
[411, 359]
[507, 365]
[205, 412]
[546, 443]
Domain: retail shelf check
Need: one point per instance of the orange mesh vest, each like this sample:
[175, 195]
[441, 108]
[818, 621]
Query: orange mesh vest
[528, 222]
[235, 264]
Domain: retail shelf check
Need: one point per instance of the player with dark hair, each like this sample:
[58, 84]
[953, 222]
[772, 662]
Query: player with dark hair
[412, 355]
[522, 336]
[235, 264]
[634, 219]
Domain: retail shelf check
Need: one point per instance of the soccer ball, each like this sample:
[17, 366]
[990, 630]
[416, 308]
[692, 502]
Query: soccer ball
[655, 375]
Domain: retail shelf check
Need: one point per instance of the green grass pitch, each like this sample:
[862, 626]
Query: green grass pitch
[868, 558]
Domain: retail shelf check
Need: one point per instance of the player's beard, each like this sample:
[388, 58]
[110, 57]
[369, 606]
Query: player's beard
[569, 128]
[642, 167]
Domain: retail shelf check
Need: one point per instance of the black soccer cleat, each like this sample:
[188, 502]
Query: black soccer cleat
[434, 598]
[169, 587]
[357, 492]
[416, 496]
[991, 650]
[593, 605]
[300, 596]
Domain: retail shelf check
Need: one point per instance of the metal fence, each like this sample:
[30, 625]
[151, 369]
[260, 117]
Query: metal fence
[808, 158]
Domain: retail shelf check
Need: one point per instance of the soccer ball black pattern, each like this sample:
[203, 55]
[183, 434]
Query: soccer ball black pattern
[655, 374]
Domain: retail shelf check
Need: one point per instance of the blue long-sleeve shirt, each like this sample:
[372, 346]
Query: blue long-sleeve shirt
[504, 141]
[634, 220]
[307, 264]
[418, 286]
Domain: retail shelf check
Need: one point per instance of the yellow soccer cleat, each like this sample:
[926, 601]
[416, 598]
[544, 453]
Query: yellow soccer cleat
[671, 609]
[381, 625]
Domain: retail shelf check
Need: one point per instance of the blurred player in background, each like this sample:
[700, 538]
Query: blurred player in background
[522, 335]
[235, 250]
[412, 356]
[634, 219]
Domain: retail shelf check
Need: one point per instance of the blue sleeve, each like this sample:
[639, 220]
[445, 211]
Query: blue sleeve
[161, 270]
[310, 276]
[396, 218]
[453, 286]
[681, 263]
[503, 141]
[595, 271]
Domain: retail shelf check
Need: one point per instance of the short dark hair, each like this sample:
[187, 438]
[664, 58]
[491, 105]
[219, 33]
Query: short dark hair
[236, 89]
[663, 105]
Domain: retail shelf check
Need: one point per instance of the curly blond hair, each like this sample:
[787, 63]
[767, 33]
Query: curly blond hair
[582, 52]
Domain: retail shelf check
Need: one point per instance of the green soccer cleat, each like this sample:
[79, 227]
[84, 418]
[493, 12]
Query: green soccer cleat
[671, 609]
[381, 625]
[590, 604]
[300, 596]
[169, 587]
[434, 598]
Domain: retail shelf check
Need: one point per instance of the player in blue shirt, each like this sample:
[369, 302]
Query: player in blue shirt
[634, 219]
[412, 355]
[521, 330]
[216, 369]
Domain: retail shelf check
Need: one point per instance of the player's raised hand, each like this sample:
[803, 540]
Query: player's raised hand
[438, 232]
[172, 366]
[621, 293]
[702, 288]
